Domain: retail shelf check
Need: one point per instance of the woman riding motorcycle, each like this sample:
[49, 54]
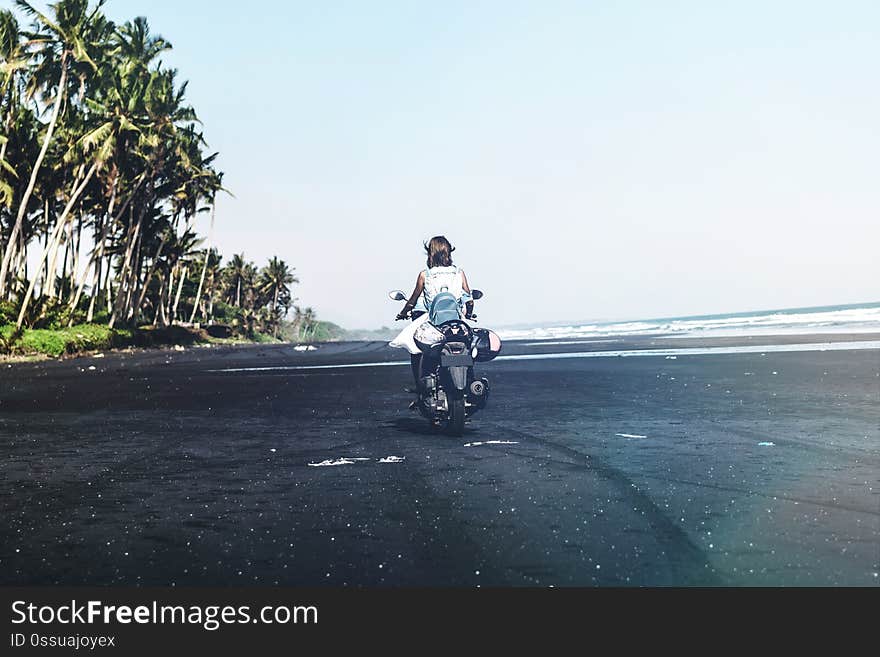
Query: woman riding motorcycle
[440, 276]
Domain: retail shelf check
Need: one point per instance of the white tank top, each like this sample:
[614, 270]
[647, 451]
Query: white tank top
[442, 279]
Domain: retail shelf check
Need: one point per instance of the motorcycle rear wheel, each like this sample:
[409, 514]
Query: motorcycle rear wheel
[455, 426]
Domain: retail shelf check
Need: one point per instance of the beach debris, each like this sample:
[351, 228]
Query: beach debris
[98, 356]
[392, 459]
[179, 347]
[304, 347]
[329, 462]
[345, 460]
[630, 435]
[492, 442]
[766, 443]
[272, 449]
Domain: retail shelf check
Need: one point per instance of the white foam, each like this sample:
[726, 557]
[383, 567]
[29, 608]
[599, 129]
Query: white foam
[304, 347]
[845, 320]
[392, 459]
[629, 435]
[766, 443]
[492, 442]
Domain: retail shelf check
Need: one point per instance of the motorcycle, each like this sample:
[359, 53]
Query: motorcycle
[448, 390]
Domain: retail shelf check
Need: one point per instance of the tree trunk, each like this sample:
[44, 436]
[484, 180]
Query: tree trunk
[74, 268]
[209, 314]
[167, 302]
[22, 265]
[160, 306]
[68, 257]
[91, 265]
[192, 317]
[53, 256]
[108, 223]
[177, 297]
[149, 276]
[59, 229]
[25, 199]
[108, 289]
[198, 299]
[96, 260]
[134, 290]
[52, 264]
[124, 284]
[45, 267]
[274, 309]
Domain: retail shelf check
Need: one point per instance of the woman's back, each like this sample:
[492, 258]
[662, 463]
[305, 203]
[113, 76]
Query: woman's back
[442, 279]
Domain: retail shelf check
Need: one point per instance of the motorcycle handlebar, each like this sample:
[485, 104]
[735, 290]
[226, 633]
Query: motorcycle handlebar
[398, 318]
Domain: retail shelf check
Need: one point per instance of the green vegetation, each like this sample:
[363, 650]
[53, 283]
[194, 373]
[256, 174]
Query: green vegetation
[382, 334]
[55, 342]
[104, 176]
[305, 328]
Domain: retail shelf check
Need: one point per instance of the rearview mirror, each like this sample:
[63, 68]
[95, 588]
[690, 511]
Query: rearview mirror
[396, 295]
[476, 294]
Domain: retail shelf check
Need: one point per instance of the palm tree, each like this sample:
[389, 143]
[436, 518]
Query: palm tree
[309, 322]
[104, 169]
[275, 280]
[180, 252]
[13, 61]
[61, 43]
[235, 274]
[119, 124]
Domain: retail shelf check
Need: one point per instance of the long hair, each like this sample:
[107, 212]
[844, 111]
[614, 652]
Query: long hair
[439, 252]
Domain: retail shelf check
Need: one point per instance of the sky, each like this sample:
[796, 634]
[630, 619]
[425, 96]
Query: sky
[589, 160]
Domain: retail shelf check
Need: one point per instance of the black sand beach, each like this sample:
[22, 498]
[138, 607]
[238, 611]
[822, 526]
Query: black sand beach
[160, 468]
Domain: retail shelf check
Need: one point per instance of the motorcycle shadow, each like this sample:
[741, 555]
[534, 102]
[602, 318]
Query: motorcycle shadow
[413, 425]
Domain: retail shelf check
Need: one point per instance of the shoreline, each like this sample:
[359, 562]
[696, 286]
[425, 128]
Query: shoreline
[512, 347]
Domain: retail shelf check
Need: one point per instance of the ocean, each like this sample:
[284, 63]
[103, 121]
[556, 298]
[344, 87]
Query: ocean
[850, 318]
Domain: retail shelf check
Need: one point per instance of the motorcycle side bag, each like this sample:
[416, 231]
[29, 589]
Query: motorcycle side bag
[488, 344]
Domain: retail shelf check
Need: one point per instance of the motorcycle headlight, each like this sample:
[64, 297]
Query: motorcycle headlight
[427, 335]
